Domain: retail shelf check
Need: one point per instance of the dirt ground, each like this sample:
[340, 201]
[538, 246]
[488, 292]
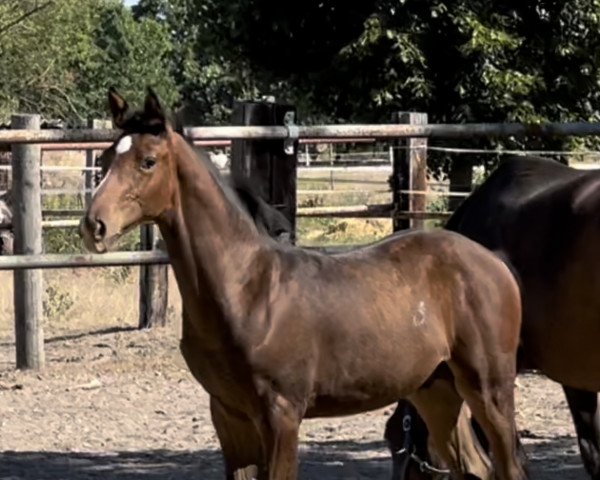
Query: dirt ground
[115, 402]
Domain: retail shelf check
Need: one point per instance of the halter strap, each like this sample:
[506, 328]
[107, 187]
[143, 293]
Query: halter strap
[424, 466]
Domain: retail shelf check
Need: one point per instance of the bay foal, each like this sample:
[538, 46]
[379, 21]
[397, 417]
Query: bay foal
[276, 333]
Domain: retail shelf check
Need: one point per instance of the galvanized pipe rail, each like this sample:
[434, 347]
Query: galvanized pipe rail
[466, 130]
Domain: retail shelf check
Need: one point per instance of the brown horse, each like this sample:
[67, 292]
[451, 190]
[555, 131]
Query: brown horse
[543, 219]
[276, 333]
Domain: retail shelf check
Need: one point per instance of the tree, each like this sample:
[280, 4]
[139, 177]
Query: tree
[459, 60]
[129, 54]
[208, 80]
[34, 53]
[59, 60]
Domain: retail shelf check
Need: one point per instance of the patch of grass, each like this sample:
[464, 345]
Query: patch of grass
[118, 275]
[347, 231]
[434, 205]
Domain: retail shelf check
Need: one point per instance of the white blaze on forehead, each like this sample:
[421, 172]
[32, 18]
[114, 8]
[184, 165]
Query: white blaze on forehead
[124, 145]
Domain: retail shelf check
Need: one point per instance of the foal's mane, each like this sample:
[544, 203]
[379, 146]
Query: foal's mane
[239, 190]
[225, 187]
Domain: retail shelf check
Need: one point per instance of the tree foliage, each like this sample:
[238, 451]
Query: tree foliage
[59, 60]
[129, 54]
[208, 80]
[459, 60]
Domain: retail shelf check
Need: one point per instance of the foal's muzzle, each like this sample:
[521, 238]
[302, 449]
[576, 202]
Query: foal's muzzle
[93, 232]
[96, 227]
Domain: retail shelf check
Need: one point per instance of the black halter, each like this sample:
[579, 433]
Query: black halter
[408, 451]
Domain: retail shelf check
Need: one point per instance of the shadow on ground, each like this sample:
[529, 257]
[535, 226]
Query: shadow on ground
[319, 460]
[77, 336]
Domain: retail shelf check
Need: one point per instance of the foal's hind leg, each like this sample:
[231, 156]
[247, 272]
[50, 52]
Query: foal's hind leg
[450, 433]
[240, 442]
[584, 410]
[490, 395]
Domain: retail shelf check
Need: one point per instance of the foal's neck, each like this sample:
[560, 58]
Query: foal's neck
[216, 239]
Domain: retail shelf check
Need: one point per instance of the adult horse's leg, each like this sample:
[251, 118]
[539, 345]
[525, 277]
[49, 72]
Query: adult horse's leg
[490, 395]
[584, 410]
[240, 443]
[442, 409]
[406, 432]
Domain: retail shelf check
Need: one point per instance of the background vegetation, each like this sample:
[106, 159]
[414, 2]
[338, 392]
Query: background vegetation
[458, 60]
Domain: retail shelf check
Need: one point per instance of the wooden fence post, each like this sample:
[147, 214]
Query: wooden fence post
[90, 162]
[409, 166]
[154, 284]
[27, 226]
[265, 163]
[461, 178]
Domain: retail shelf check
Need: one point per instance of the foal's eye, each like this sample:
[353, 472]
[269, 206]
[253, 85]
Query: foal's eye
[148, 163]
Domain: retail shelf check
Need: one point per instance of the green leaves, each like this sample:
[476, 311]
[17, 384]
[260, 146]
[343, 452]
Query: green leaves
[132, 54]
[60, 60]
[458, 60]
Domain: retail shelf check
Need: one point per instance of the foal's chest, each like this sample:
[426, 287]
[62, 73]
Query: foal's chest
[223, 376]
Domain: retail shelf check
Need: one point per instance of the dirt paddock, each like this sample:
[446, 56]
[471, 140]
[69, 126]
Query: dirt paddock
[115, 402]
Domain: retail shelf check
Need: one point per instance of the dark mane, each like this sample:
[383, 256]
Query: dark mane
[264, 215]
[137, 122]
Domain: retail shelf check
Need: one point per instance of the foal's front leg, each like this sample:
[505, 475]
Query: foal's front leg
[240, 442]
[283, 425]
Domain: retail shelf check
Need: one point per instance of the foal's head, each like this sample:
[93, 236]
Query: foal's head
[140, 184]
[267, 218]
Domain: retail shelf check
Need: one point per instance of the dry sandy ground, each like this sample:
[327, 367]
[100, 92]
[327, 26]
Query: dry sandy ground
[121, 404]
[118, 403]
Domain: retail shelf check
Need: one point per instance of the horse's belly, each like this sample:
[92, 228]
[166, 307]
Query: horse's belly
[335, 407]
[561, 319]
[565, 349]
[356, 380]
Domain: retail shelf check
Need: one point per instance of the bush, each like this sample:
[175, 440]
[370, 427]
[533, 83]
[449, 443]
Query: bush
[118, 275]
[56, 303]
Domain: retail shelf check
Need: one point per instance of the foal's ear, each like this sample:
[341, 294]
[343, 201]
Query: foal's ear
[118, 107]
[153, 111]
[177, 121]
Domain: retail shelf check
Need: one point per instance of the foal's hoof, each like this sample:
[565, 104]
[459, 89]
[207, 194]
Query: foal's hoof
[248, 473]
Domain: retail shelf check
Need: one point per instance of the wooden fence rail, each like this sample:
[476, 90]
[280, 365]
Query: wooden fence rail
[466, 130]
[110, 259]
[265, 148]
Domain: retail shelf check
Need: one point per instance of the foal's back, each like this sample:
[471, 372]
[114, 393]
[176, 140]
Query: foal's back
[410, 296]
